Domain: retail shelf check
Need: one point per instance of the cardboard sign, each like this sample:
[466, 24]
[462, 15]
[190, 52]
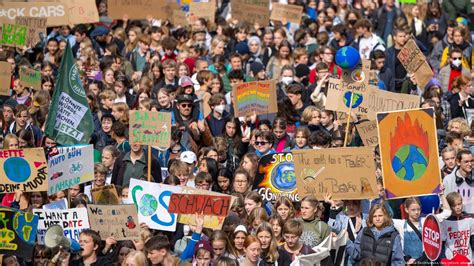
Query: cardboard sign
[72, 166]
[210, 221]
[292, 13]
[119, 221]
[73, 221]
[82, 11]
[5, 78]
[252, 11]
[409, 153]
[346, 173]
[13, 35]
[17, 232]
[255, 96]
[140, 9]
[36, 27]
[432, 242]
[367, 100]
[204, 10]
[56, 12]
[106, 195]
[30, 78]
[415, 62]
[276, 177]
[368, 133]
[179, 18]
[205, 204]
[153, 128]
[152, 201]
[23, 169]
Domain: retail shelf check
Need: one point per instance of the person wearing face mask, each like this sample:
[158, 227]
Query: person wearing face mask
[216, 119]
[286, 78]
[452, 70]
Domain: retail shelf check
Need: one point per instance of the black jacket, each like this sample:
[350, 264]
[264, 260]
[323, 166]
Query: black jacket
[120, 167]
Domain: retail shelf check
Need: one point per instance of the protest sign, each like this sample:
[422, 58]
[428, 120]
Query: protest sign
[72, 166]
[17, 232]
[195, 203]
[256, 96]
[73, 221]
[346, 173]
[432, 242]
[56, 12]
[210, 221]
[25, 170]
[106, 195]
[409, 153]
[13, 35]
[204, 10]
[367, 100]
[152, 201]
[35, 26]
[276, 177]
[141, 9]
[415, 62]
[82, 11]
[153, 128]
[30, 78]
[5, 78]
[252, 11]
[58, 204]
[69, 119]
[290, 13]
[179, 18]
[119, 221]
[456, 234]
[368, 133]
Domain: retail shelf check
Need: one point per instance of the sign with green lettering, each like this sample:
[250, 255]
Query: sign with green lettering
[345, 173]
[150, 128]
[30, 78]
[13, 35]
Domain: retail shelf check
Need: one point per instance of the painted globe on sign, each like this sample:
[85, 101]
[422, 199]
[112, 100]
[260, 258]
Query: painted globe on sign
[283, 177]
[24, 226]
[347, 57]
[409, 162]
[17, 169]
[148, 205]
[356, 100]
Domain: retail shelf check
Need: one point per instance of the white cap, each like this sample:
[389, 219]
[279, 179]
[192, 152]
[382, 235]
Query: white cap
[240, 228]
[188, 157]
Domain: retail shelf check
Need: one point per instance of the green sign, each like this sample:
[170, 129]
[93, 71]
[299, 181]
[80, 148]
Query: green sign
[13, 35]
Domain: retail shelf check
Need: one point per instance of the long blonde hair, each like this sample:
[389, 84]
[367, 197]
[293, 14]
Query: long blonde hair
[271, 255]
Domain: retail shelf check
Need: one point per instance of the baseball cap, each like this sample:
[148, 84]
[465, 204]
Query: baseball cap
[184, 98]
[240, 228]
[188, 157]
[202, 244]
[186, 82]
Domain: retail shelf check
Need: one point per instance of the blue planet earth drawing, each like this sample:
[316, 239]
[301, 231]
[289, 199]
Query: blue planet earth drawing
[148, 205]
[409, 162]
[356, 100]
[283, 177]
[17, 169]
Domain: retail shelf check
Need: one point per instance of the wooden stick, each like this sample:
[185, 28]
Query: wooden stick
[348, 119]
[149, 163]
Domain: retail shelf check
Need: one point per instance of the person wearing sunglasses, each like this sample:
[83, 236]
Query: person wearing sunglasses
[452, 70]
[264, 143]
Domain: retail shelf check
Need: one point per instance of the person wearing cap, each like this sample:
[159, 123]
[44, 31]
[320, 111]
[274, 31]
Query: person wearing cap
[8, 109]
[182, 117]
[101, 35]
[240, 233]
[190, 159]
[257, 71]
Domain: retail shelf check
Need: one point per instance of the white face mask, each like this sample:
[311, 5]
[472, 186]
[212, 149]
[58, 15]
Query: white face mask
[127, 201]
[286, 80]
[457, 62]
[219, 108]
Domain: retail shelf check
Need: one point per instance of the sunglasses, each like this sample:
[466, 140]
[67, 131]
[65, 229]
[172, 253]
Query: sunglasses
[186, 105]
[261, 143]
[454, 58]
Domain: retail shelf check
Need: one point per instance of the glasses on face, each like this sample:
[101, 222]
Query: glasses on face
[240, 181]
[455, 58]
[186, 105]
[261, 143]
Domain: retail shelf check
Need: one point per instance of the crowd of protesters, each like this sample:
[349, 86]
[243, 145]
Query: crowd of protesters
[189, 71]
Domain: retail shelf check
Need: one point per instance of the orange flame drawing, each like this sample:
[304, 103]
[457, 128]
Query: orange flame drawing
[407, 132]
[266, 180]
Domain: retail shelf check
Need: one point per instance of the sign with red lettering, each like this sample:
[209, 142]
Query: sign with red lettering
[23, 169]
[431, 237]
[194, 203]
[457, 234]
